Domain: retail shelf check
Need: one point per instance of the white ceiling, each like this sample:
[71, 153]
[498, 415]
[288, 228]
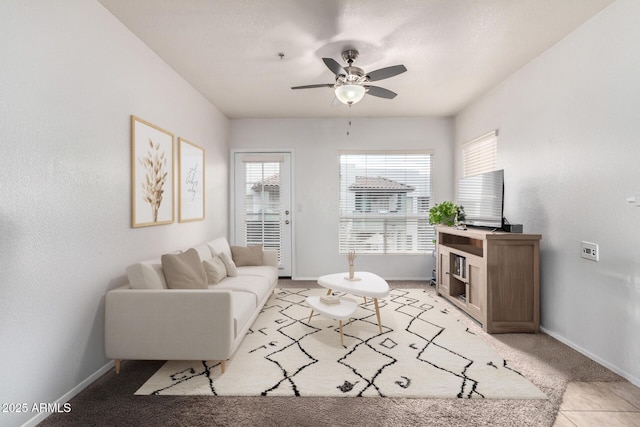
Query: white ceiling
[454, 50]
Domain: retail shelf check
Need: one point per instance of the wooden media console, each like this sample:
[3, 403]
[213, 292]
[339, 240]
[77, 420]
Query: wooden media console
[492, 276]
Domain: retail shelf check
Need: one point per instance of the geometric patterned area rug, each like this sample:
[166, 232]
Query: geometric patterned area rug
[423, 351]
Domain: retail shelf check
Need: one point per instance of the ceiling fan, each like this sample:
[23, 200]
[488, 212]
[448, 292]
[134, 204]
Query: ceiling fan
[352, 82]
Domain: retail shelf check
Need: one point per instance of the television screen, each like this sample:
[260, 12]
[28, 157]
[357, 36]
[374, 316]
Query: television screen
[482, 198]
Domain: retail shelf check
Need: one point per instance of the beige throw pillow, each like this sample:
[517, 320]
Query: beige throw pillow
[184, 271]
[247, 255]
[215, 269]
[232, 271]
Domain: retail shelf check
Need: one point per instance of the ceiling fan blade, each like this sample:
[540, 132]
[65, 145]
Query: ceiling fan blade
[333, 65]
[313, 86]
[380, 92]
[385, 73]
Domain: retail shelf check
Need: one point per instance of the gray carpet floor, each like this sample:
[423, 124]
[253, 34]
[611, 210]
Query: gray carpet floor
[547, 363]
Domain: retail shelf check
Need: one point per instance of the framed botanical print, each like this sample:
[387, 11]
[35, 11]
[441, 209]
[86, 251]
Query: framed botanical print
[152, 198]
[191, 181]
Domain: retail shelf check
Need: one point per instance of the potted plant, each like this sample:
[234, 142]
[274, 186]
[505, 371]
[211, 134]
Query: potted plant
[445, 213]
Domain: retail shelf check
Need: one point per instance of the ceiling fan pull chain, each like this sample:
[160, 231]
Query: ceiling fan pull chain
[349, 127]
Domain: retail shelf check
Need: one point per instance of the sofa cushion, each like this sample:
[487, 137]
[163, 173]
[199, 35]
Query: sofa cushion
[243, 305]
[203, 251]
[254, 285]
[184, 271]
[232, 271]
[247, 255]
[219, 246]
[268, 272]
[146, 275]
[215, 269]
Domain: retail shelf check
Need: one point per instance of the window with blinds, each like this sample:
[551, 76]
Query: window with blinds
[384, 202]
[262, 208]
[480, 154]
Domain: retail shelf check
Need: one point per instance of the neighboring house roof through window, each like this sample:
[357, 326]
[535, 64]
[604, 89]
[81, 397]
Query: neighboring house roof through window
[379, 183]
[270, 183]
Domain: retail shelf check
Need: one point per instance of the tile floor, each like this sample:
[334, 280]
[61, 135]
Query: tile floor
[596, 404]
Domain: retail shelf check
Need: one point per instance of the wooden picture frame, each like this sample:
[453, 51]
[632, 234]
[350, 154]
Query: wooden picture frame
[152, 165]
[191, 181]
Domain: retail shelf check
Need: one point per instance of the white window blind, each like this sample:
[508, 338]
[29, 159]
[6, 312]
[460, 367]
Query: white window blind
[262, 207]
[480, 154]
[384, 202]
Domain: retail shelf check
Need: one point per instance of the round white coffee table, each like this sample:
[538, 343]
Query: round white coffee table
[340, 311]
[367, 285]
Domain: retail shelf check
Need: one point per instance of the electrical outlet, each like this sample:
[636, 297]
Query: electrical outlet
[590, 251]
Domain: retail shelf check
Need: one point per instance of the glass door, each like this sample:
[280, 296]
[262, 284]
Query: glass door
[262, 207]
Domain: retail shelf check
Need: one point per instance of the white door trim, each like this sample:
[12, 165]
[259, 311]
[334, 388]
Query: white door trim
[232, 197]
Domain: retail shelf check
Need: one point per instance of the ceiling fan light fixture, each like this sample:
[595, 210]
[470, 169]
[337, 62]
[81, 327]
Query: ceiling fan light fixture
[350, 94]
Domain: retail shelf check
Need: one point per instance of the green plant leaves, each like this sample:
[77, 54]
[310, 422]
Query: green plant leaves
[443, 213]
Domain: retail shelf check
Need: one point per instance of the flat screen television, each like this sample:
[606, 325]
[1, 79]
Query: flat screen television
[482, 197]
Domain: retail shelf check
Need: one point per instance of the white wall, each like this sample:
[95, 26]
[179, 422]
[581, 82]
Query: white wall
[569, 126]
[70, 77]
[315, 143]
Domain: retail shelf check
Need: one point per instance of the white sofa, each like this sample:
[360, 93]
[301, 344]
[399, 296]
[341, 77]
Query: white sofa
[145, 320]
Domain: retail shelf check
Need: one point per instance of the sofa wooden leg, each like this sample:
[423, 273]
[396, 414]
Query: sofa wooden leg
[223, 365]
[117, 366]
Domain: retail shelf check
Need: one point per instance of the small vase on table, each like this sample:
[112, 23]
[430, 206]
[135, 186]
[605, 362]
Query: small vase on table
[352, 258]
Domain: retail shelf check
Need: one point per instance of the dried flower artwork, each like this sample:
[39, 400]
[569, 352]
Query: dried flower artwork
[152, 193]
[155, 163]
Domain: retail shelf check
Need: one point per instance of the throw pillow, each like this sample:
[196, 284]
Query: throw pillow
[184, 271]
[147, 275]
[247, 255]
[215, 269]
[232, 271]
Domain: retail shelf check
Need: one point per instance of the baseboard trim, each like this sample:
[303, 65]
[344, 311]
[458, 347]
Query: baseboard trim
[70, 394]
[633, 380]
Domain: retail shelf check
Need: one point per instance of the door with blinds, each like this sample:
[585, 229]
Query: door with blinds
[262, 206]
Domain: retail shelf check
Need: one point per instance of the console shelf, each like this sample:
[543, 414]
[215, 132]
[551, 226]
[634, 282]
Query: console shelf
[492, 276]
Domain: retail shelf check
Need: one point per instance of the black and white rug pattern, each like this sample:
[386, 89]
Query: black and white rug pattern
[423, 351]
